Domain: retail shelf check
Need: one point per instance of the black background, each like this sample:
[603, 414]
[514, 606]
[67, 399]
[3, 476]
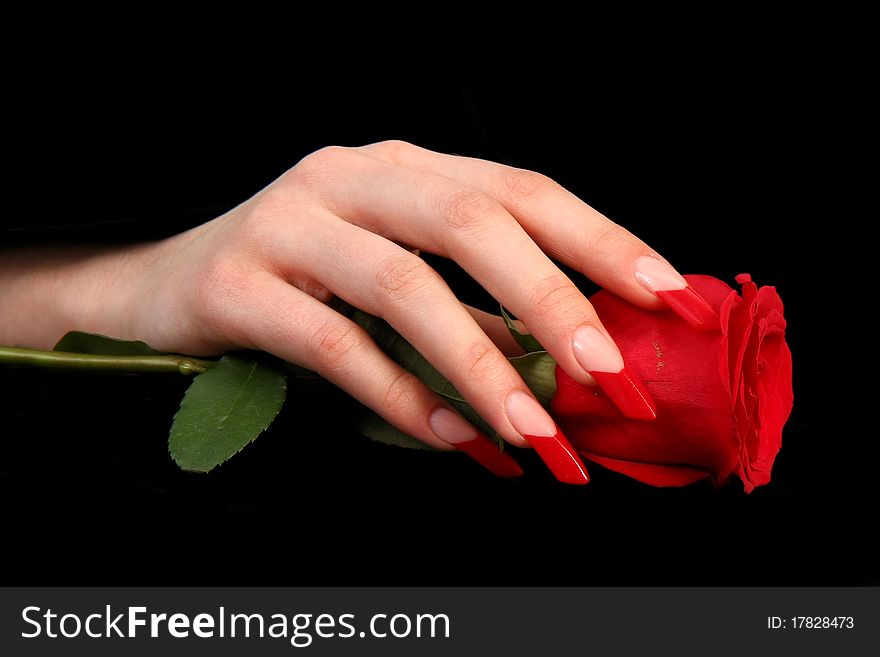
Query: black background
[739, 162]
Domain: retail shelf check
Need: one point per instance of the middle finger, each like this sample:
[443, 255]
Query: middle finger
[445, 217]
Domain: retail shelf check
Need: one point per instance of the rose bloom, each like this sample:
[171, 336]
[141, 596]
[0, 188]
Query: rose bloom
[722, 396]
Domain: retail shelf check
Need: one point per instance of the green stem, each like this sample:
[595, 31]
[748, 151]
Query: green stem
[69, 360]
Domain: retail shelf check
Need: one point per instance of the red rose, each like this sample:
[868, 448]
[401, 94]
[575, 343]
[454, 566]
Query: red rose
[722, 396]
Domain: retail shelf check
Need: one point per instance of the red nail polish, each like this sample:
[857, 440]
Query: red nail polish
[673, 289]
[454, 430]
[601, 359]
[533, 423]
[627, 393]
[560, 457]
[489, 455]
[691, 307]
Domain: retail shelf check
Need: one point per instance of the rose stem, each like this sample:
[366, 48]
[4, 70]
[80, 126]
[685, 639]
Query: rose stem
[69, 360]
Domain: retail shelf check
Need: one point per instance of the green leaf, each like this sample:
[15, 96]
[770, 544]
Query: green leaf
[375, 427]
[525, 340]
[92, 343]
[538, 370]
[404, 354]
[224, 409]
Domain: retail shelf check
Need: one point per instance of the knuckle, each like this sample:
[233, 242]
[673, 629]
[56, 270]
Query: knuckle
[402, 277]
[254, 230]
[398, 391]
[271, 202]
[318, 166]
[266, 211]
[468, 209]
[480, 361]
[394, 150]
[606, 238]
[333, 344]
[329, 156]
[553, 295]
[522, 185]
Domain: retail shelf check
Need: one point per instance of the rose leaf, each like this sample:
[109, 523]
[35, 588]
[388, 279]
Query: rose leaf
[525, 340]
[92, 343]
[224, 409]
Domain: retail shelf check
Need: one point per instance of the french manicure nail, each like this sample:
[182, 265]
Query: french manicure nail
[602, 360]
[453, 429]
[530, 419]
[662, 280]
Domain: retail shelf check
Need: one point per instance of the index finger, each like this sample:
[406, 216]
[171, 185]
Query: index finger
[578, 235]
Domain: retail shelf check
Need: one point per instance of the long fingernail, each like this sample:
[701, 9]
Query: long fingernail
[602, 360]
[662, 280]
[529, 418]
[453, 429]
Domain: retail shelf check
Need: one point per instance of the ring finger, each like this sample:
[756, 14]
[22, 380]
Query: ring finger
[373, 274]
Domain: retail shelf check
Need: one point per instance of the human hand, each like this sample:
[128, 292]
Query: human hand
[340, 223]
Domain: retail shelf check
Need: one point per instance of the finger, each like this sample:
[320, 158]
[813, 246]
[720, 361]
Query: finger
[445, 217]
[569, 230]
[291, 324]
[494, 327]
[381, 278]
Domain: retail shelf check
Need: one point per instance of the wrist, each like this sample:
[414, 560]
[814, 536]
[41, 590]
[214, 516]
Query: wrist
[96, 290]
[47, 291]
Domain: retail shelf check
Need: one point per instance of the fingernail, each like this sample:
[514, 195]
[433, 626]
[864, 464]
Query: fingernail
[602, 360]
[530, 419]
[453, 429]
[662, 280]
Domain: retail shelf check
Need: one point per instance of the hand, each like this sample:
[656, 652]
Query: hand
[340, 223]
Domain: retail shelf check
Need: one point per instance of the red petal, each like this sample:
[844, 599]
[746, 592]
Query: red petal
[650, 473]
[714, 291]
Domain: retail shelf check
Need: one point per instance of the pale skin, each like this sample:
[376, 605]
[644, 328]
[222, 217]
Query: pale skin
[345, 222]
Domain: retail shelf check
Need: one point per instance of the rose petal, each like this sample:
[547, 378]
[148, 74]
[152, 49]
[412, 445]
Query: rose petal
[713, 290]
[650, 473]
